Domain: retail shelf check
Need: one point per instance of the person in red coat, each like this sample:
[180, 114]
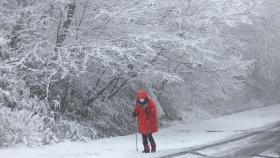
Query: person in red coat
[145, 111]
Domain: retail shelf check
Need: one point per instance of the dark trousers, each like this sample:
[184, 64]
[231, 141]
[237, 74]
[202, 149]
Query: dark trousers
[145, 138]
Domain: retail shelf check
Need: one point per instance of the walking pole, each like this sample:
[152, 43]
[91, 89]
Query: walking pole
[136, 138]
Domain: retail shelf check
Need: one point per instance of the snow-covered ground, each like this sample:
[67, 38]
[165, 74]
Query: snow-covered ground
[169, 140]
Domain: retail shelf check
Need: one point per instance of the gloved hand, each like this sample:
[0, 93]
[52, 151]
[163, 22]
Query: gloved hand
[134, 114]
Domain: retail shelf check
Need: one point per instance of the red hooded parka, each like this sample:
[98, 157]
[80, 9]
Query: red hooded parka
[146, 116]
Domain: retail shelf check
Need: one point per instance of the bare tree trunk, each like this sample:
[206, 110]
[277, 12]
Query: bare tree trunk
[15, 34]
[66, 24]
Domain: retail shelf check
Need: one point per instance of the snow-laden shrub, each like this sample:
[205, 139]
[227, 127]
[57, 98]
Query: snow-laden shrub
[29, 120]
[21, 127]
[18, 127]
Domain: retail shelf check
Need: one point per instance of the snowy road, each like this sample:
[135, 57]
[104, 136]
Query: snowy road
[254, 144]
[244, 134]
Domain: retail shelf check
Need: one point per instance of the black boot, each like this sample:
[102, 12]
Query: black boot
[153, 145]
[146, 149]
